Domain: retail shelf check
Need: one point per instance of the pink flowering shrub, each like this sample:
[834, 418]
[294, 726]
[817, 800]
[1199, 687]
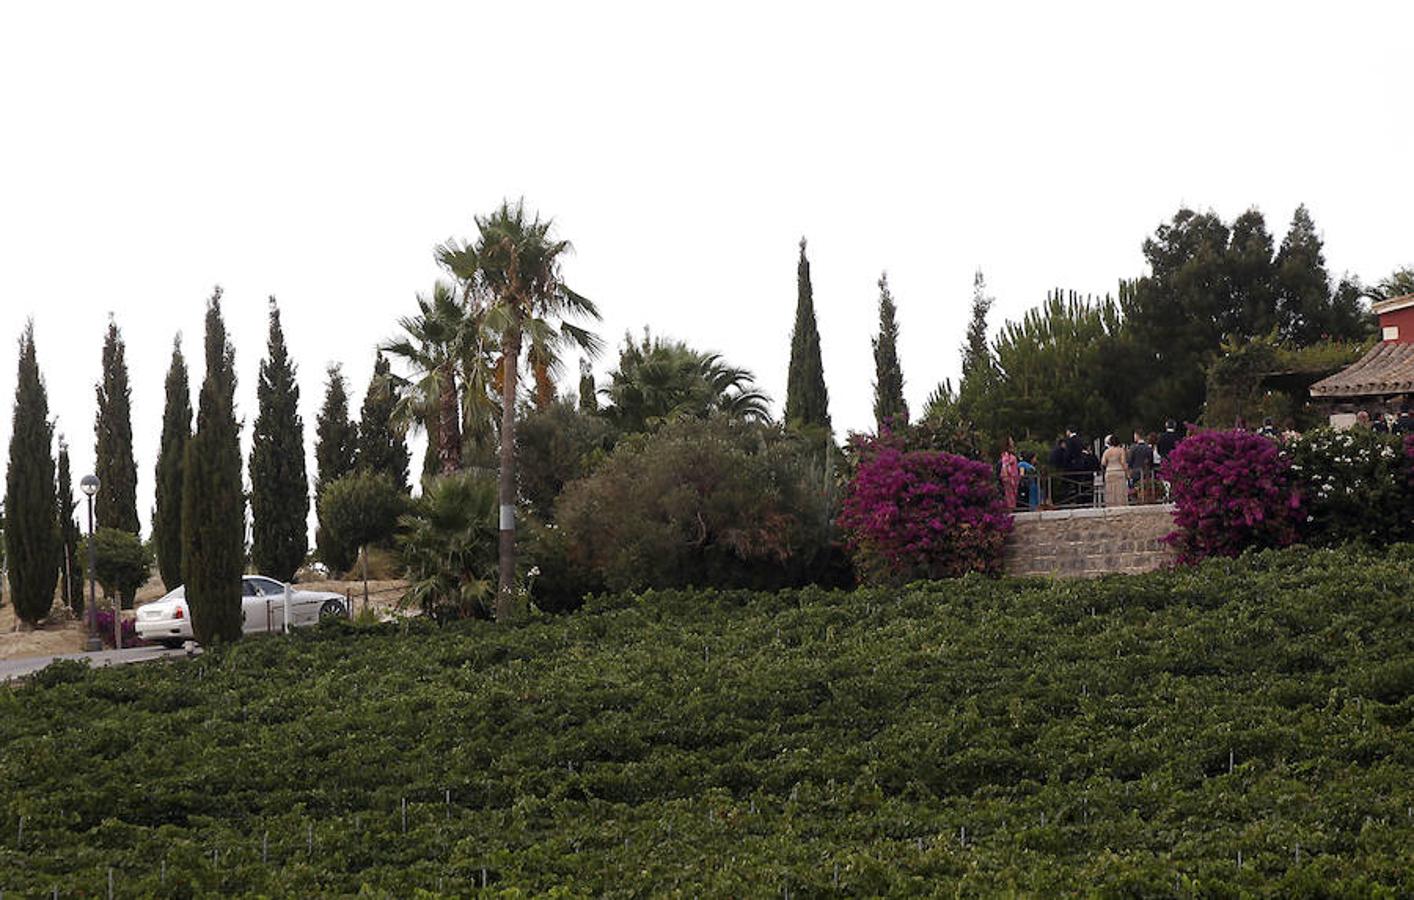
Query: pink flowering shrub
[923, 514]
[103, 622]
[1231, 490]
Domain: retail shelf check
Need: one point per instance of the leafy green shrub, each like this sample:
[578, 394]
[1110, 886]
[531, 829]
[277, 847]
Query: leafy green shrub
[61, 671]
[557, 581]
[701, 502]
[557, 445]
[1354, 486]
[122, 562]
[448, 547]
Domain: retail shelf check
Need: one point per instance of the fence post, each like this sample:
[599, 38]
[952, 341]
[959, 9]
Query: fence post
[289, 591]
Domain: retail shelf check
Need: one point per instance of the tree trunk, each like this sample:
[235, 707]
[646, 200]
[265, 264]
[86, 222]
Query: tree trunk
[505, 594]
[365, 582]
[449, 438]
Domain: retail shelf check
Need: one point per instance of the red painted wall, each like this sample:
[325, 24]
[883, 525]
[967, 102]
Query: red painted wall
[1403, 319]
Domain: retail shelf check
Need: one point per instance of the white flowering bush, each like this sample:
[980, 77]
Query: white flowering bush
[1354, 486]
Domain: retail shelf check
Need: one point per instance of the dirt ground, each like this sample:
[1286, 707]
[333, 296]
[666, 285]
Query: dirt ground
[62, 633]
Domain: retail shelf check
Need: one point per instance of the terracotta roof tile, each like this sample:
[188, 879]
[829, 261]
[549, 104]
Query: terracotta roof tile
[1388, 368]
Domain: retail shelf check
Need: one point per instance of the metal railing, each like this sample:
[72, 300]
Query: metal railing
[1086, 490]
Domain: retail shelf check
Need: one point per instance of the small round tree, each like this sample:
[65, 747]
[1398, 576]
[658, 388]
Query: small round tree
[122, 563]
[923, 514]
[1232, 490]
[361, 509]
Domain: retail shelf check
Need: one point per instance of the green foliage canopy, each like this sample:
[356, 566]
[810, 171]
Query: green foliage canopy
[122, 562]
[213, 497]
[279, 488]
[660, 380]
[335, 456]
[447, 543]
[889, 404]
[33, 544]
[715, 501]
[71, 578]
[555, 446]
[382, 447]
[171, 459]
[361, 508]
[807, 400]
[116, 504]
[1354, 486]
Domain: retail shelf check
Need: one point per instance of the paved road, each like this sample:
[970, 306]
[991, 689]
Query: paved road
[26, 665]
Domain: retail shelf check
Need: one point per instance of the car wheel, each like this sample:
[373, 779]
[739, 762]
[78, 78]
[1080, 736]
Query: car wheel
[331, 609]
[173, 643]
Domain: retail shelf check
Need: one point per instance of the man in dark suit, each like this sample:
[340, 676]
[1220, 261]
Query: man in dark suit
[1169, 439]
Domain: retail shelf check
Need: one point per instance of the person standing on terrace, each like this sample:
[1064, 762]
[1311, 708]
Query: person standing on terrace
[1009, 469]
[1032, 483]
[1169, 439]
[1116, 469]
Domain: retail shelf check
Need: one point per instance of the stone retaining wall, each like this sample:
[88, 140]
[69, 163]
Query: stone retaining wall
[1089, 542]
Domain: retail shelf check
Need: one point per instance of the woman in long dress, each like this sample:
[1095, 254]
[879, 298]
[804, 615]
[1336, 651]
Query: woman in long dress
[1010, 471]
[1116, 473]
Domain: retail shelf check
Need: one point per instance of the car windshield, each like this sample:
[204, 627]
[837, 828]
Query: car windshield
[268, 586]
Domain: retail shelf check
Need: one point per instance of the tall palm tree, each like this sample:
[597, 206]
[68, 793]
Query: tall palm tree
[514, 265]
[447, 346]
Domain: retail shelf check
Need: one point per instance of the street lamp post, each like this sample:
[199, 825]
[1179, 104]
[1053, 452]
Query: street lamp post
[89, 485]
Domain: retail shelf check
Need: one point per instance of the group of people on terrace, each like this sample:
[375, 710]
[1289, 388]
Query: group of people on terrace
[1088, 473]
[1109, 472]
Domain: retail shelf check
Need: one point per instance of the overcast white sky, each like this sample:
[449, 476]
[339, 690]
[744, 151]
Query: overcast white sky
[319, 151]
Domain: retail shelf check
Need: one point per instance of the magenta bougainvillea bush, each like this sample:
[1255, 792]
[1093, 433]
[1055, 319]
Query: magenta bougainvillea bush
[1231, 490]
[103, 622]
[923, 514]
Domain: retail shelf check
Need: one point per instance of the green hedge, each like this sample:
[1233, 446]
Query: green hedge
[741, 744]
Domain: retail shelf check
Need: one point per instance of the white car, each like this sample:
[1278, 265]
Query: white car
[168, 620]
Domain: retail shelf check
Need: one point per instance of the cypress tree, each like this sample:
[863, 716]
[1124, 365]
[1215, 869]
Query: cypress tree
[889, 405]
[382, 449]
[71, 567]
[335, 455]
[171, 460]
[279, 488]
[588, 394]
[33, 545]
[976, 355]
[975, 392]
[116, 503]
[336, 438]
[807, 402]
[213, 502]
